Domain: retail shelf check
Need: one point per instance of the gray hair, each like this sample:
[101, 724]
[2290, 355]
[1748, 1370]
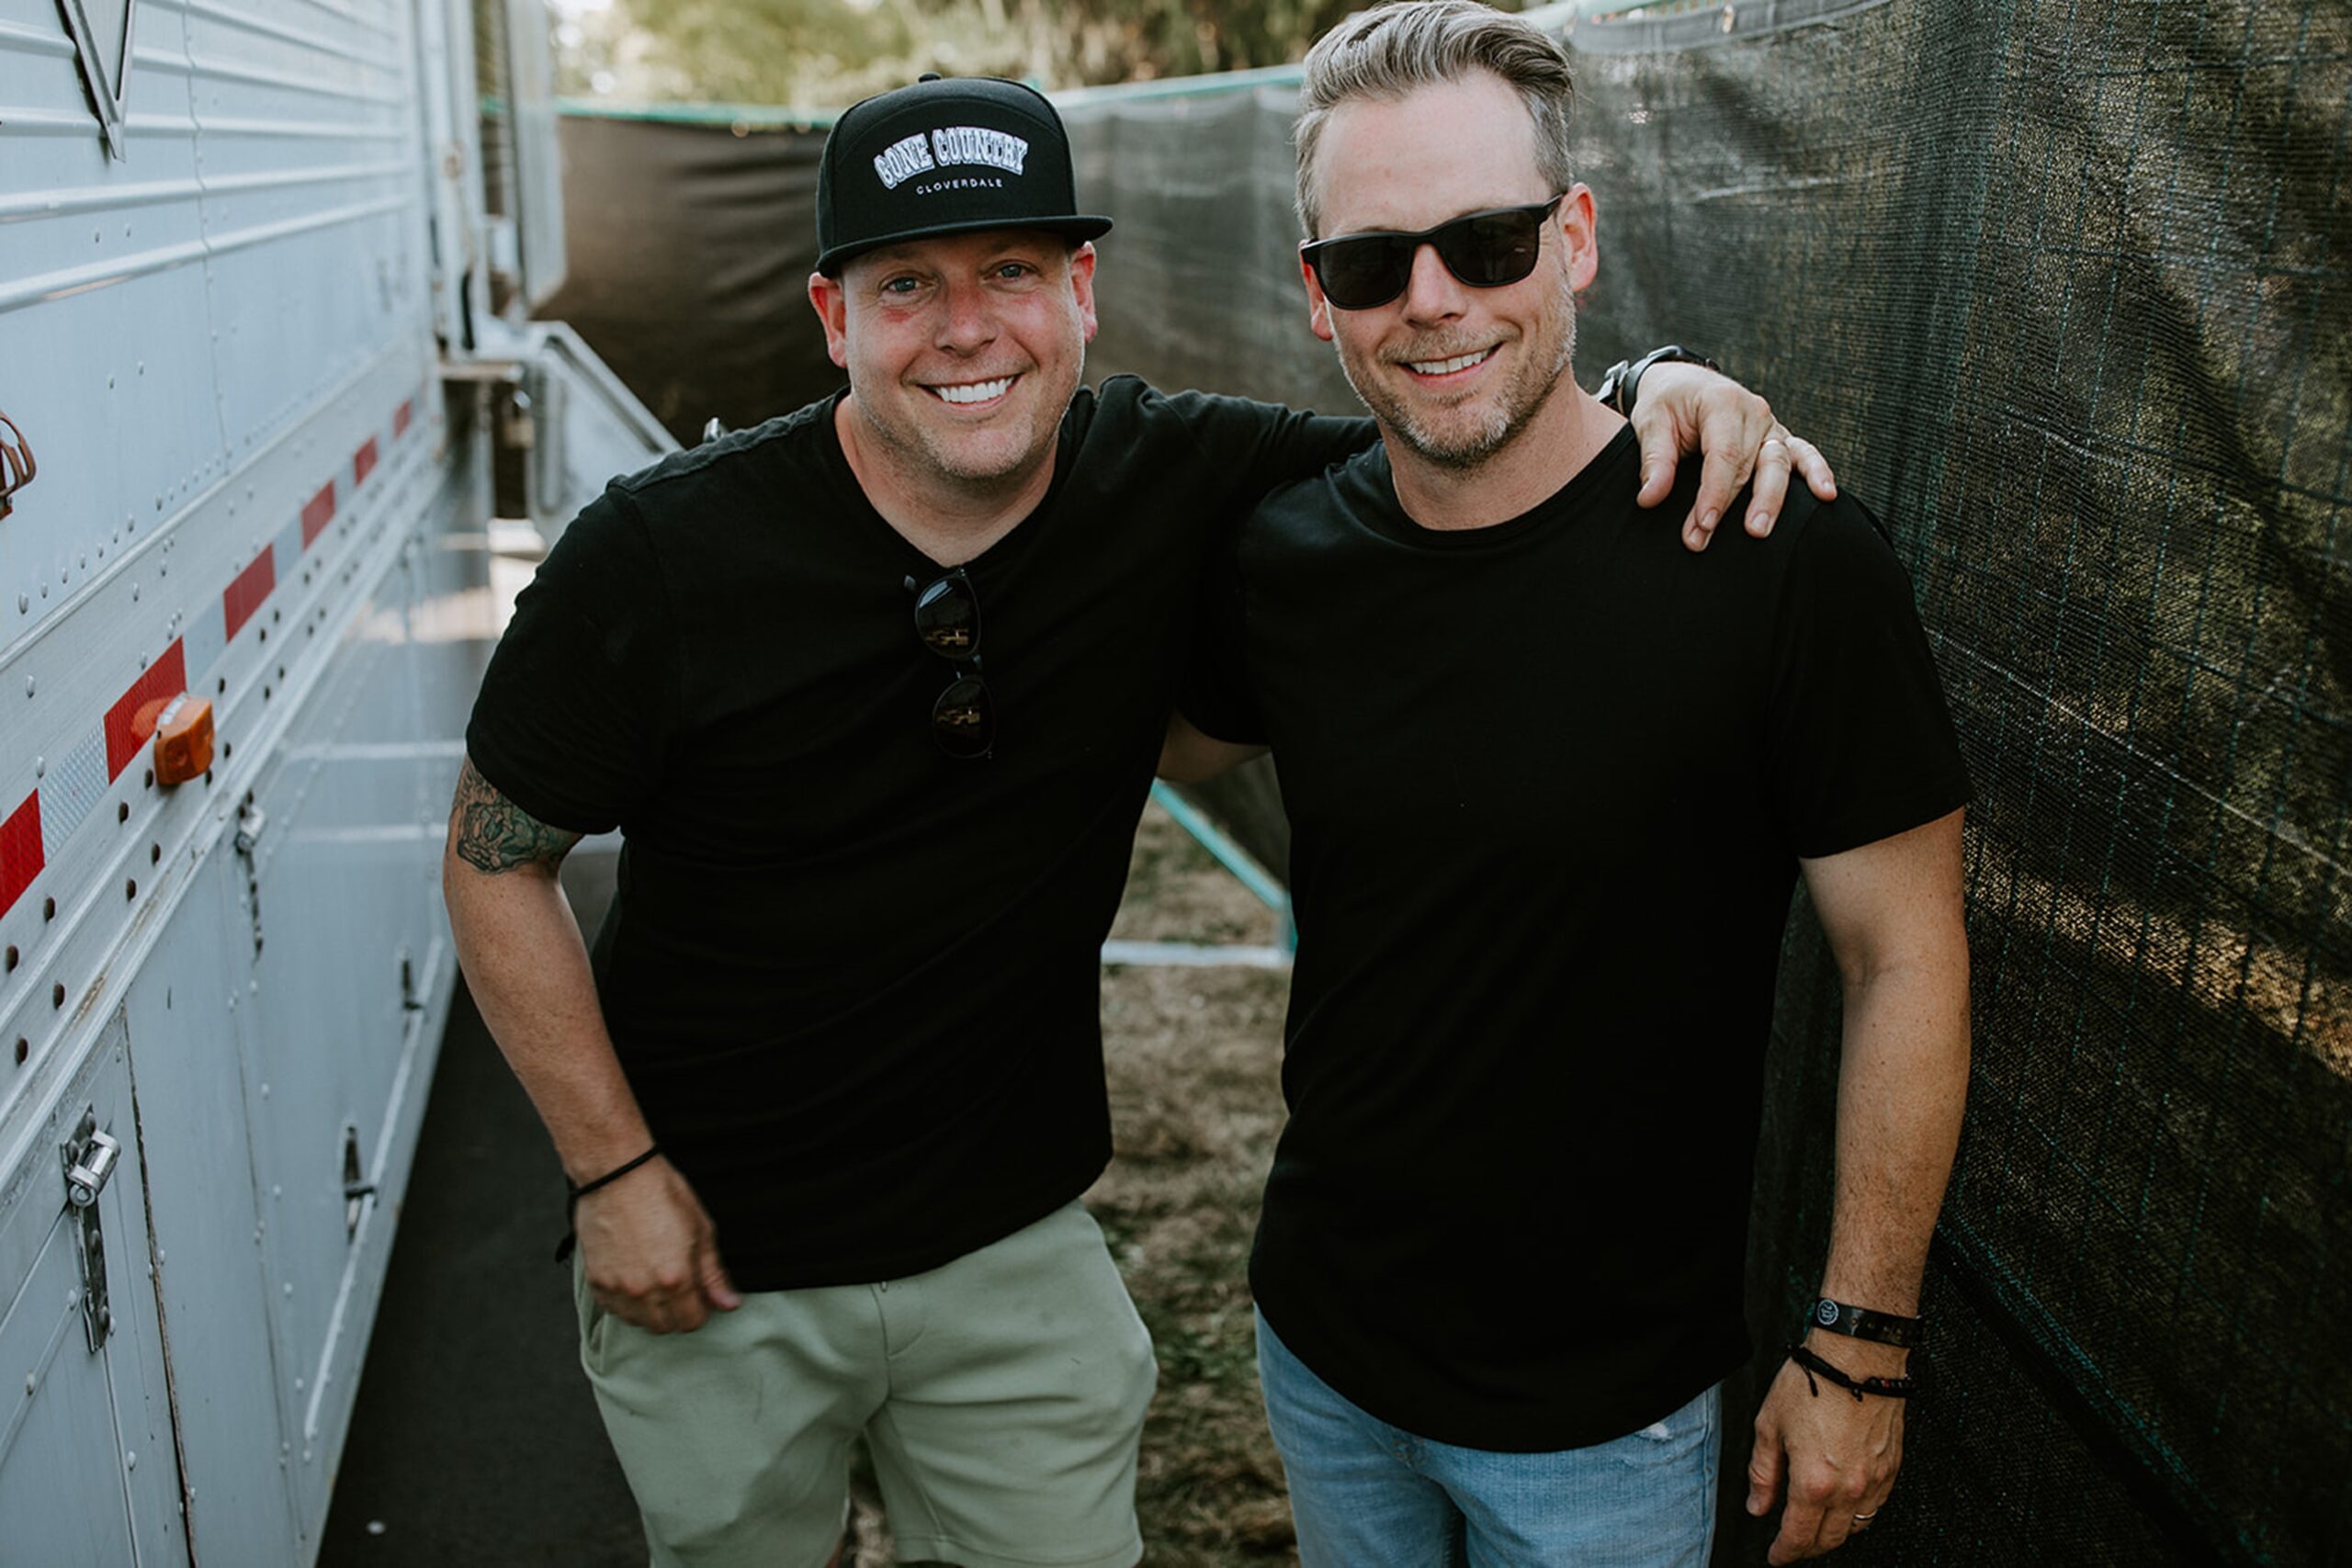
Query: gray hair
[1393, 48]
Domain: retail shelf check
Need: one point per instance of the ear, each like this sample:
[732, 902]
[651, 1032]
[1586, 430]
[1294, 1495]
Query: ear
[1577, 218]
[1081, 284]
[1318, 310]
[831, 301]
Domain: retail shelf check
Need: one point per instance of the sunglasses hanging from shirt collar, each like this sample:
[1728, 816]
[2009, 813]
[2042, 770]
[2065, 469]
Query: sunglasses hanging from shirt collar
[947, 622]
[1484, 249]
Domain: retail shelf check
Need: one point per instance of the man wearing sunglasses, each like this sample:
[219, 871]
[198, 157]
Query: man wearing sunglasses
[874, 691]
[1527, 749]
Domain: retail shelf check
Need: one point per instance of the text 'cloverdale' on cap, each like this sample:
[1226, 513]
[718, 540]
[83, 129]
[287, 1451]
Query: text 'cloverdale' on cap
[945, 156]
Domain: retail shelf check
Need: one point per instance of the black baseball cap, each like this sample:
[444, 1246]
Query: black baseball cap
[949, 155]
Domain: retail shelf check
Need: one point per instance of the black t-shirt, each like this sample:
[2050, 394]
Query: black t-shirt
[852, 980]
[1548, 782]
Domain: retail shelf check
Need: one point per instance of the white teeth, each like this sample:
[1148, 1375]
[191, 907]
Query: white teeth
[1447, 366]
[976, 392]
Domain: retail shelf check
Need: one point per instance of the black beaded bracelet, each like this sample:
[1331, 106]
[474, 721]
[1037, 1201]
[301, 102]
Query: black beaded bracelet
[1885, 1388]
[573, 1193]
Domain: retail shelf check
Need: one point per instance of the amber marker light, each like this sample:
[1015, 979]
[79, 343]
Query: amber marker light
[183, 738]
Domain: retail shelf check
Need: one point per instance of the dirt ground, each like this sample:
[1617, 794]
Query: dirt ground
[1195, 1058]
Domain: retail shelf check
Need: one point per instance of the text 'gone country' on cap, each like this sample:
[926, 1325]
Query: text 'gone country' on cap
[950, 156]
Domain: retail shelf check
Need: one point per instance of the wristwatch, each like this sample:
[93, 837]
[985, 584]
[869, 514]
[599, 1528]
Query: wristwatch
[1619, 384]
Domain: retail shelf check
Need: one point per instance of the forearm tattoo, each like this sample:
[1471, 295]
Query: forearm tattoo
[493, 834]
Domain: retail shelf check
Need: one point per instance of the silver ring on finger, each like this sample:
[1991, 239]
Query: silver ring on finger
[1862, 1521]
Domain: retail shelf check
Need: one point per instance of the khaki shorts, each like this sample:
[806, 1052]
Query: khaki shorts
[1001, 1397]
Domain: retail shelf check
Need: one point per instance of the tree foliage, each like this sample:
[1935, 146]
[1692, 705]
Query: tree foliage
[825, 54]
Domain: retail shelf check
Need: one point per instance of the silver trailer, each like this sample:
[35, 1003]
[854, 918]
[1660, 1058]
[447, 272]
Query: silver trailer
[264, 280]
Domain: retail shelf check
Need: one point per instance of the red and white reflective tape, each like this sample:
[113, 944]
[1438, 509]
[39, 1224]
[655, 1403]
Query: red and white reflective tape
[33, 835]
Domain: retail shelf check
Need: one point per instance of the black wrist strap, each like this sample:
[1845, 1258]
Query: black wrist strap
[1885, 1388]
[1861, 1322]
[1620, 387]
[573, 1194]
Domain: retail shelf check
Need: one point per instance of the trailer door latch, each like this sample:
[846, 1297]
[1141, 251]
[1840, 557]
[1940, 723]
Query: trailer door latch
[16, 468]
[90, 1156]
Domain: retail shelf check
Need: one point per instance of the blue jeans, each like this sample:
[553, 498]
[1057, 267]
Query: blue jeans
[1367, 1494]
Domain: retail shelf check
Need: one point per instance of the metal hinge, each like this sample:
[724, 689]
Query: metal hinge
[90, 1158]
[356, 1188]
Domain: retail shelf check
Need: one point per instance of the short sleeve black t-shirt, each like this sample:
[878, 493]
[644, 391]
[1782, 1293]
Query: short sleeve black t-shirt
[1548, 784]
[852, 980]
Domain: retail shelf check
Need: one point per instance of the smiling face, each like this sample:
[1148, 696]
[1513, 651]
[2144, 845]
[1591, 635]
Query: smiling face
[1454, 374]
[962, 350]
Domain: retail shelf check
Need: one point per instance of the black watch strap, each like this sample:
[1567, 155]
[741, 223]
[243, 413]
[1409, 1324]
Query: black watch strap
[1860, 1322]
[1620, 385]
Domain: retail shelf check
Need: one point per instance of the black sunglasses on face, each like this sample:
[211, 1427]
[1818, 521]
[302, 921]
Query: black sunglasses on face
[1484, 249]
[947, 622]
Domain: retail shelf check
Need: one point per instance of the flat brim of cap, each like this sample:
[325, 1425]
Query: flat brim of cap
[1077, 226]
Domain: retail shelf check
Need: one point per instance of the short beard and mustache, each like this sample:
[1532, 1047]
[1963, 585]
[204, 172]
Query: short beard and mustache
[1515, 403]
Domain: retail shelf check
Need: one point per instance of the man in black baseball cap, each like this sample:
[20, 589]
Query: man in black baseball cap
[945, 157]
[876, 691]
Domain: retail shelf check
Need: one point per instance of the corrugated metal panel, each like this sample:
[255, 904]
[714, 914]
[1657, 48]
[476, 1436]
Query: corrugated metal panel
[307, 151]
[219, 346]
[91, 252]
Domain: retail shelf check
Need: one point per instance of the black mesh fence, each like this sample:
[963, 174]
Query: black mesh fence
[690, 239]
[2062, 286]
